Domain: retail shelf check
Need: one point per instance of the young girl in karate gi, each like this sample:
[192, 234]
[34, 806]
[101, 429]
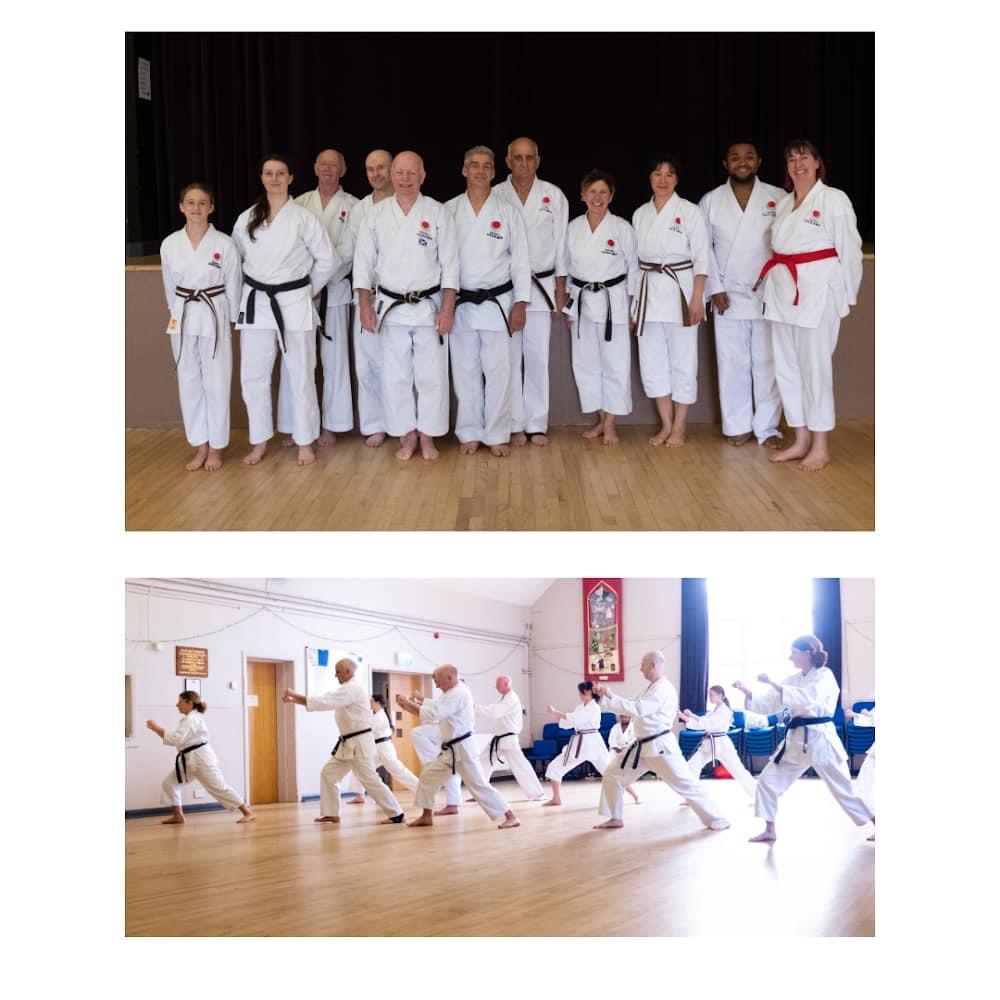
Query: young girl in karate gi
[201, 278]
[287, 254]
[673, 265]
[195, 759]
[719, 720]
[586, 744]
[811, 695]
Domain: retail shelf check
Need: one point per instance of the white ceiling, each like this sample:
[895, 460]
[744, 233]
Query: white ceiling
[520, 592]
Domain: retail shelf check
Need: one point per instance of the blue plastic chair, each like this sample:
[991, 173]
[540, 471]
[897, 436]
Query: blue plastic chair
[690, 740]
[758, 743]
[859, 738]
[541, 752]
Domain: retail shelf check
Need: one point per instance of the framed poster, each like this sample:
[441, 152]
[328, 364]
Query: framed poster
[191, 661]
[602, 629]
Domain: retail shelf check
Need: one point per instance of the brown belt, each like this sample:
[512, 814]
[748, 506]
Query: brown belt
[647, 268]
[199, 295]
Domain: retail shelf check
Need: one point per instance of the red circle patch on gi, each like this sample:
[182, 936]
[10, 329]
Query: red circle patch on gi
[677, 221]
[816, 214]
[495, 224]
[425, 225]
[343, 215]
[771, 204]
[545, 200]
[216, 256]
[611, 243]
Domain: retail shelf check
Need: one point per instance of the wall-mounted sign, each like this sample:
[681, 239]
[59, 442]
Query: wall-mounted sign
[191, 661]
[602, 630]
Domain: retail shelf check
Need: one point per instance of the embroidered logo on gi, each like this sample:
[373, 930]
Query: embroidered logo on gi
[545, 199]
[611, 243]
[216, 256]
[677, 221]
[495, 224]
[815, 214]
[425, 225]
[424, 237]
[676, 227]
[343, 214]
[772, 204]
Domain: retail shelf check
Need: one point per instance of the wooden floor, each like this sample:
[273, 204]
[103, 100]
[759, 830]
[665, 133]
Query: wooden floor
[573, 485]
[663, 874]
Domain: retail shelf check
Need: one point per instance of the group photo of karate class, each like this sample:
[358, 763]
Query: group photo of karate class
[436, 281]
[469, 757]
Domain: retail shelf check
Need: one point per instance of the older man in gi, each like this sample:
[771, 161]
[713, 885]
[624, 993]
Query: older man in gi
[503, 721]
[406, 251]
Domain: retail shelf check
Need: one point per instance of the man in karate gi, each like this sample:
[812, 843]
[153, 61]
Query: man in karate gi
[332, 205]
[355, 748]
[495, 280]
[739, 214]
[545, 214]
[655, 749]
[406, 251]
[503, 721]
[455, 712]
[368, 346]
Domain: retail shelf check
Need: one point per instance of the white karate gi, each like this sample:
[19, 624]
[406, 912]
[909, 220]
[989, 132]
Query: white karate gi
[367, 348]
[454, 711]
[668, 350]
[352, 710]
[652, 711]
[293, 245]
[203, 381]
[545, 214]
[201, 764]
[719, 721]
[814, 694]
[740, 243]
[864, 784]
[602, 369]
[620, 738]
[804, 336]
[506, 716]
[337, 407]
[581, 748]
[492, 250]
[427, 744]
[410, 252]
[386, 752]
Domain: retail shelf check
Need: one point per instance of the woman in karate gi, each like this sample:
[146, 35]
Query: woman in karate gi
[809, 285]
[287, 259]
[385, 751]
[586, 744]
[201, 278]
[195, 759]
[673, 265]
[811, 695]
[603, 277]
[719, 721]
[864, 784]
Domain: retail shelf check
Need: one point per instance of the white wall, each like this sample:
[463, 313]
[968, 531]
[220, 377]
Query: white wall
[857, 612]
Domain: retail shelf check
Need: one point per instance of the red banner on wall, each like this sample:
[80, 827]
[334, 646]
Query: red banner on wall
[603, 658]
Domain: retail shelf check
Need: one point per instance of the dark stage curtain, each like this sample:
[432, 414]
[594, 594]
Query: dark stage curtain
[826, 620]
[694, 644]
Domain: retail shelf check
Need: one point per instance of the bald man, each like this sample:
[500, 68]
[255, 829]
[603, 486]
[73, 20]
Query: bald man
[354, 751]
[655, 749]
[503, 721]
[332, 205]
[406, 250]
[454, 711]
[368, 346]
[545, 213]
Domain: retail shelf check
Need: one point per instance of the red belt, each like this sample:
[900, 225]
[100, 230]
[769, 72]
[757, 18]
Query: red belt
[790, 260]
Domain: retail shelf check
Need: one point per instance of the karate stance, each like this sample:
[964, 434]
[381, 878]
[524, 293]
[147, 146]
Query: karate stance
[603, 271]
[427, 745]
[385, 751]
[503, 722]
[495, 279]
[674, 263]
[201, 279]
[454, 711]
[287, 259]
[864, 785]
[716, 744]
[406, 251]
[544, 212]
[811, 740]
[354, 751]
[586, 744]
[195, 759]
[809, 285]
[655, 748]
[739, 215]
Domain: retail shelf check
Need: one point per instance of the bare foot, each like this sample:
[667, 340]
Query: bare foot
[173, 821]
[407, 446]
[677, 438]
[596, 431]
[356, 800]
[289, 442]
[553, 802]
[306, 455]
[247, 819]
[374, 440]
[468, 448]
[500, 450]
[789, 454]
[422, 821]
[739, 440]
[446, 811]
[519, 440]
[198, 459]
[610, 436]
[661, 437]
[815, 460]
[633, 793]
[539, 440]
[327, 819]
[509, 824]
[719, 824]
[773, 442]
[326, 438]
[214, 461]
[427, 448]
[257, 452]
[612, 824]
[763, 838]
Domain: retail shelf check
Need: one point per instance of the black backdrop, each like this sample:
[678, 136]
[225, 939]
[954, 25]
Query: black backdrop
[609, 100]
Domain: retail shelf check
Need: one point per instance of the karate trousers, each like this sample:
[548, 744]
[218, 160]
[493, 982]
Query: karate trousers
[513, 758]
[748, 389]
[592, 749]
[438, 772]
[203, 383]
[368, 366]
[529, 375]
[728, 757]
[480, 373]
[258, 348]
[602, 369]
[427, 745]
[414, 361]
[864, 785]
[389, 759]
[776, 779]
[668, 361]
[364, 769]
[337, 405]
[202, 765]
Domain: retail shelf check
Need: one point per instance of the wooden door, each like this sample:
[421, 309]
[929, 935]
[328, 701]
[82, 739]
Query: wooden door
[262, 723]
[403, 722]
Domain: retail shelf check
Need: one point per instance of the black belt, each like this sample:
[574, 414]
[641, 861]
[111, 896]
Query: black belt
[647, 268]
[482, 295]
[450, 745]
[800, 722]
[323, 298]
[199, 295]
[347, 736]
[180, 764]
[405, 298]
[495, 748]
[579, 734]
[597, 286]
[537, 283]
[383, 739]
[272, 294]
[637, 747]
